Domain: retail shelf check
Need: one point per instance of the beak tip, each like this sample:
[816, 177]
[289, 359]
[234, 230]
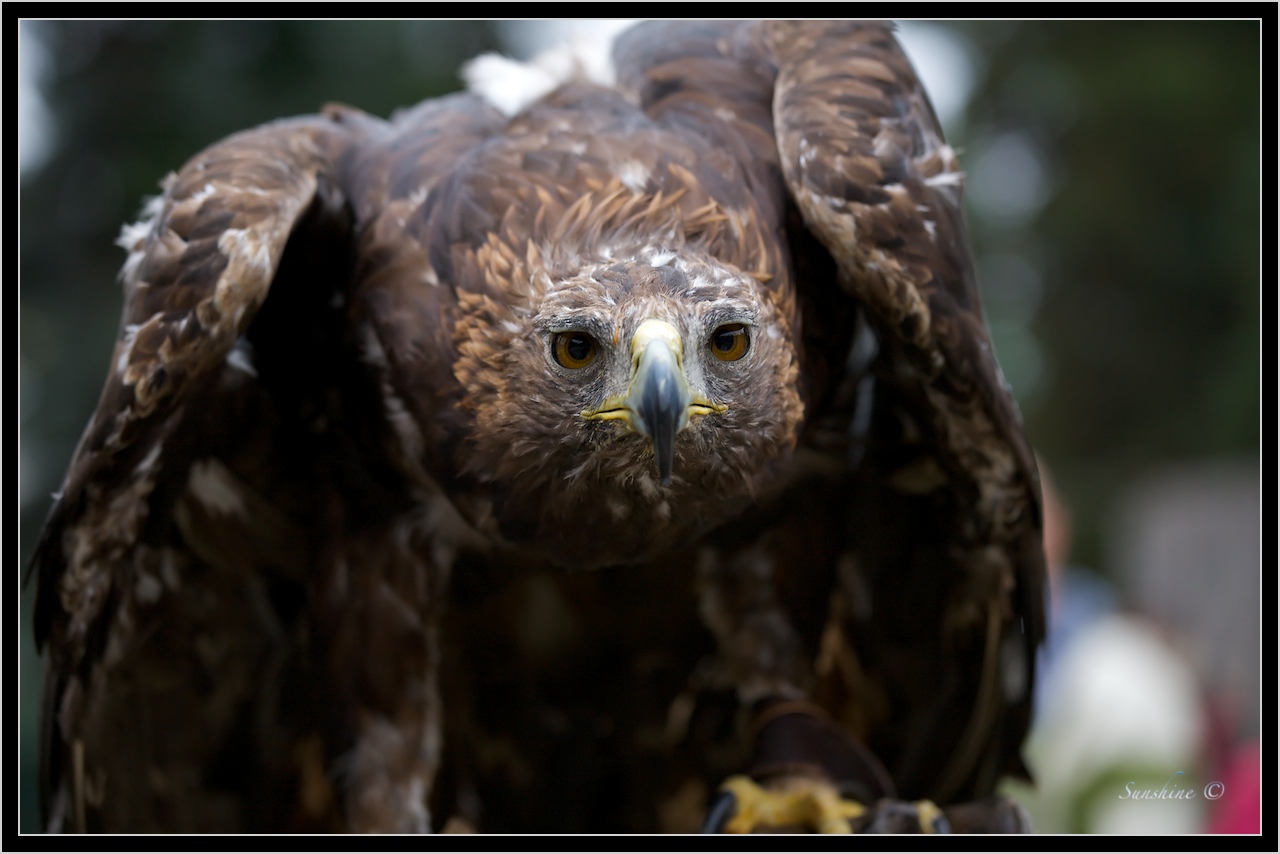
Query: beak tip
[664, 453]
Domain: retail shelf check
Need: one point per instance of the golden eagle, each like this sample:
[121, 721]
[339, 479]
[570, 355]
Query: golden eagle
[549, 455]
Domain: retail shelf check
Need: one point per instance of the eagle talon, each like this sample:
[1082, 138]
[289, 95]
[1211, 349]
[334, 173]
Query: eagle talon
[931, 818]
[890, 815]
[722, 809]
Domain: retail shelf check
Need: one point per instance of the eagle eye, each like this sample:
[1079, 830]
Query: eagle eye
[574, 349]
[730, 342]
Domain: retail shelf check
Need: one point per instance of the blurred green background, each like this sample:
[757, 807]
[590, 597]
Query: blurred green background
[1113, 189]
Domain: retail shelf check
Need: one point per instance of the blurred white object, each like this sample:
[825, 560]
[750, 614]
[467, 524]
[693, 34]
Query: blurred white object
[947, 65]
[526, 39]
[1116, 741]
[547, 54]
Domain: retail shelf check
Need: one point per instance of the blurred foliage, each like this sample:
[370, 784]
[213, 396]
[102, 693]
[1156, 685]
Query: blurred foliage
[1147, 249]
[1125, 303]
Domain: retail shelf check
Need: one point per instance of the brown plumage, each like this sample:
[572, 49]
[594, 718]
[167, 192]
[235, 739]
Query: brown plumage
[355, 539]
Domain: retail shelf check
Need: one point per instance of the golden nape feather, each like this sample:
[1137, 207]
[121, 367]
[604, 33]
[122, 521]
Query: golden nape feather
[542, 467]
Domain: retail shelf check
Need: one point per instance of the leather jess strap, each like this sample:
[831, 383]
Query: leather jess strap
[797, 738]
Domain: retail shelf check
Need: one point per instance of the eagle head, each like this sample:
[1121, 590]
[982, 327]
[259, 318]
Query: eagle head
[631, 404]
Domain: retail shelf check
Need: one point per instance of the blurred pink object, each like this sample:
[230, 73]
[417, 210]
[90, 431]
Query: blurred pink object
[1239, 809]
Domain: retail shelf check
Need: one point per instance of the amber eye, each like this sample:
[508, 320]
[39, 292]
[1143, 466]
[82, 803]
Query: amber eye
[574, 349]
[730, 342]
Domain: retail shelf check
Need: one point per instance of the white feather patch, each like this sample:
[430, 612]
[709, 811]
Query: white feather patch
[241, 358]
[950, 176]
[214, 487]
[633, 174]
[147, 463]
[126, 346]
[945, 179]
[510, 85]
[197, 198]
[133, 238]
[247, 246]
[660, 257]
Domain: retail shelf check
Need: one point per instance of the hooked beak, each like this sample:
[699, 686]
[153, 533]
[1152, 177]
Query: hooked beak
[658, 403]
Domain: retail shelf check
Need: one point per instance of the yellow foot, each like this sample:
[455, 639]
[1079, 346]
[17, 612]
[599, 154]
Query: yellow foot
[804, 803]
[789, 803]
[929, 817]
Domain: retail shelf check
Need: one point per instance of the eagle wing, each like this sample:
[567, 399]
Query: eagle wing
[159, 491]
[941, 588]
[203, 630]
[199, 269]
